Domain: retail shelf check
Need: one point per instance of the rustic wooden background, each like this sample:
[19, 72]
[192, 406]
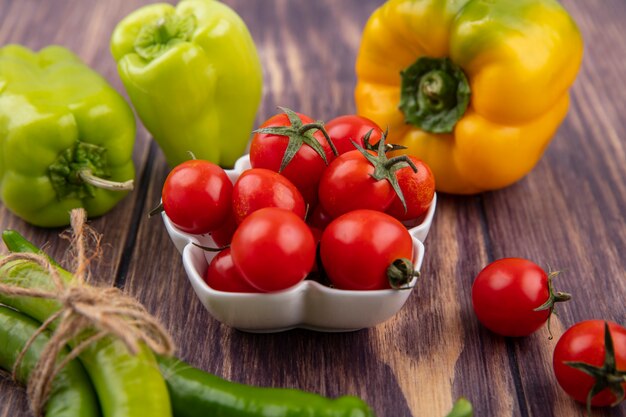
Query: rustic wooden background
[568, 213]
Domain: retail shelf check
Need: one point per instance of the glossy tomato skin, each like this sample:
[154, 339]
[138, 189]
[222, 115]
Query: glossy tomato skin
[306, 167]
[196, 196]
[357, 247]
[506, 292]
[257, 188]
[347, 184]
[347, 128]
[222, 275]
[418, 189]
[318, 218]
[584, 342]
[223, 235]
[273, 249]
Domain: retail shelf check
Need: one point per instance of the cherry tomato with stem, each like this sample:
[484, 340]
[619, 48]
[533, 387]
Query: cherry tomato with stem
[295, 146]
[361, 179]
[273, 249]
[257, 188]
[589, 363]
[196, 196]
[222, 275]
[347, 128]
[367, 250]
[418, 189]
[514, 297]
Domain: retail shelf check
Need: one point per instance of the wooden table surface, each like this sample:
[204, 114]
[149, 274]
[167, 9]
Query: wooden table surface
[568, 213]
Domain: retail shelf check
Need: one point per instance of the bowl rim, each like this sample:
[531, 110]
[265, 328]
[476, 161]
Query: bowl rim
[195, 261]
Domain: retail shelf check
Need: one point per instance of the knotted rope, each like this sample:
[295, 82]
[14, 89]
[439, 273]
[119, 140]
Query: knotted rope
[87, 314]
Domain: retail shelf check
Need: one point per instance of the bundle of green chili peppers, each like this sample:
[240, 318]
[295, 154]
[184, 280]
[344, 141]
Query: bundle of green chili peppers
[131, 385]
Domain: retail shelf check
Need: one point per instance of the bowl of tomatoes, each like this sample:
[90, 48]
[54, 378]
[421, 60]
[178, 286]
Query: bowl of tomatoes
[265, 253]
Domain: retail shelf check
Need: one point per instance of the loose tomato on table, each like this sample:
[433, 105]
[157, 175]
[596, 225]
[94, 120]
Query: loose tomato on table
[273, 249]
[590, 363]
[343, 130]
[196, 196]
[361, 179]
[296, 146]
[359, 251]
[514, 296]
[418, 189]
[257, 188]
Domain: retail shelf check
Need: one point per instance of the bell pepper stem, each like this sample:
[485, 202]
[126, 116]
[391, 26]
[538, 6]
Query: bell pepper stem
[87, 176]
[435, 94]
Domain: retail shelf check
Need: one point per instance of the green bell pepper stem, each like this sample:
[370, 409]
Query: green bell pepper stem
[194, 77]
[66, 137]
[72, 393]
[127, 385]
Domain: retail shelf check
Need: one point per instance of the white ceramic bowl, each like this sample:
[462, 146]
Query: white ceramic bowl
[308, 304]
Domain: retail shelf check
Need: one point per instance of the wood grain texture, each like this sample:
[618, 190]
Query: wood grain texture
[567, 214]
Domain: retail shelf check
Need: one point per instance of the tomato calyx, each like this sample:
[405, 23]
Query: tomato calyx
[210, 249]
[553, 298]
[157, 210]
[400, 274]
[607, 375]
[299, 134]
[389, 147]
[385, 168]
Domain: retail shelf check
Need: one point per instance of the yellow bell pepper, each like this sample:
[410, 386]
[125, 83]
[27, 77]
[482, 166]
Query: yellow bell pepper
[476, 88]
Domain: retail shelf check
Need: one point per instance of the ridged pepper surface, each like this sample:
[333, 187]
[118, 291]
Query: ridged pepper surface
[194, 77]
[476, 88]
[66, 137]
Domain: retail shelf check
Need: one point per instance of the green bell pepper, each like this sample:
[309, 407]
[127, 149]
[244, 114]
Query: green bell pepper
[193, 75]
[66, 137]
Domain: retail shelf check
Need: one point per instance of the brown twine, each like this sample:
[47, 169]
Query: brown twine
[87, 314]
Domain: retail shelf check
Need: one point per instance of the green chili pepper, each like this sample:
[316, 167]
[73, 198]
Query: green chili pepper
[193, 74]
[127, 385]
[66, 137]
[195, 393]
[72, 393]
[462, 408]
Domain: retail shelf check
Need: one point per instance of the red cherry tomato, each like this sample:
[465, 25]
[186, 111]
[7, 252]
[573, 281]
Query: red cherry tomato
[306, 167]
[196, 196]
[418, 189]
[223, 235]
[318, 218]
[347, 184]
[257, 188]
[223, 276]
[345, 129]
[506, 294]
[357, 248]
[273, 249]
[584, 343]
